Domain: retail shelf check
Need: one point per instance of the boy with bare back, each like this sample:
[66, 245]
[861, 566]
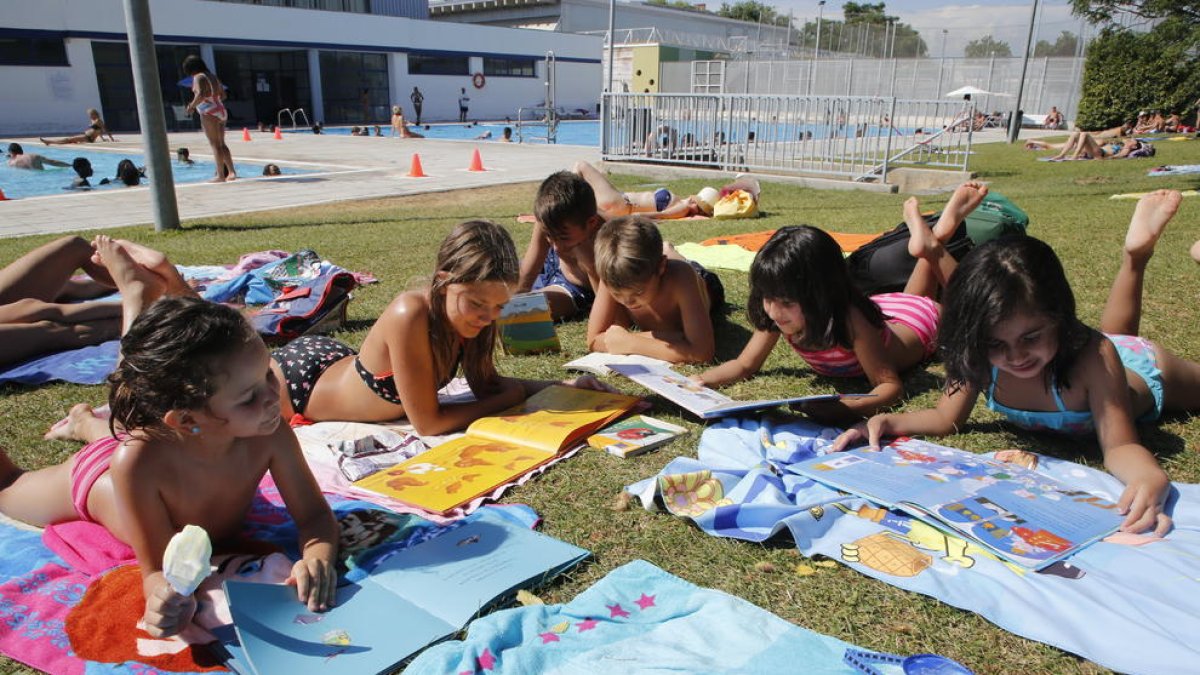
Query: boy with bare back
[647, 284]
[560, 260]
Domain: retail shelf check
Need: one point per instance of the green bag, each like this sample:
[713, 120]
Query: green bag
[996, 216]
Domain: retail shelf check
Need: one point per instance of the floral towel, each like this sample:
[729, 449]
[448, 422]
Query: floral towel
[1130, 602]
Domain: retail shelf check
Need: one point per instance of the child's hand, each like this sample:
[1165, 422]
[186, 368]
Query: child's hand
[315, 581]
[590, 382]
[870, 431]
[616, 340]
[167, 612]
[1142, 504]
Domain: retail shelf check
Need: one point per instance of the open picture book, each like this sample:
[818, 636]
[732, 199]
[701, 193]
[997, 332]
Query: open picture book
[635, 435]
[497, 450]
[416, 597]
[526, 326]
[1023, 517]
[597, 363]
[698, 399]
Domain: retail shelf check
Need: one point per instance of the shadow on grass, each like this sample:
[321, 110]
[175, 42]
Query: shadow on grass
[208, 226]
[730, 337]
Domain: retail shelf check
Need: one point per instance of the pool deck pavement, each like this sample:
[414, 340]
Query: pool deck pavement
[348, 168]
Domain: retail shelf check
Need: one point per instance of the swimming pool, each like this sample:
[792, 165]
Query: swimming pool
[574, 132]
[20, 183]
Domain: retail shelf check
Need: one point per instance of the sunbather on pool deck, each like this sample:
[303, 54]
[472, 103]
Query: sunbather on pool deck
[660, 204]
[1082, 145]
[40, 300]
[19, 159]
[95, 132]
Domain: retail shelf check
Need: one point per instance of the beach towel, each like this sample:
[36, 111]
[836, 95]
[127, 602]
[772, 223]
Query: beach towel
[637, 619]
[531, 219]
[1174, 170]
[726, 256]
[1128, 603]
[45, 579]
[753, 241]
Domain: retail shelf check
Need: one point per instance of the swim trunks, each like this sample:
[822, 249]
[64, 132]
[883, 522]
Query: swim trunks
[303, 361]
[552, 275]
[662, 199]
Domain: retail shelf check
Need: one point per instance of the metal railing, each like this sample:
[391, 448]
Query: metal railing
[292, 114]
[541, 119]
[859, 138]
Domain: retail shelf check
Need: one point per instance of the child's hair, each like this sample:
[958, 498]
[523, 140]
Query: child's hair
[803, 264]
[92, 112]
[82, 167]
[128, 172]
[183, 153]
[396, 110]
[15, 149]
[172, 358]
[272, 170]
[193, 65]
[475, 251]
[993, 282]
[629, 251]
[564, 199]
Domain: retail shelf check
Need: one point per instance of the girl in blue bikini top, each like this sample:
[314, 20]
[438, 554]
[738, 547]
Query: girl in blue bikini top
[1009, 329]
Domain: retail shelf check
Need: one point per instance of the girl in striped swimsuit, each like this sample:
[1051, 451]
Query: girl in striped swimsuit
[801, 290]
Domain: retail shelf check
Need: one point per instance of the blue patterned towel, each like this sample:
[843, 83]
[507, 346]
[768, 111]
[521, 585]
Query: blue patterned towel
[1130, 602]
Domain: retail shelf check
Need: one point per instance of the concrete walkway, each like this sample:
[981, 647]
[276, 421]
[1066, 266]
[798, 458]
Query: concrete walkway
[347, 168]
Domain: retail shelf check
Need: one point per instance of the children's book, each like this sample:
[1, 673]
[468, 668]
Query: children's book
[416, 597]
[698, 399]
[635, 435]
[598, 363]
[497, 450]
[526, 326]
[1020, 515]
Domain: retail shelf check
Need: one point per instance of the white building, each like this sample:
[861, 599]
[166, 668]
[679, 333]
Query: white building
[342, 61]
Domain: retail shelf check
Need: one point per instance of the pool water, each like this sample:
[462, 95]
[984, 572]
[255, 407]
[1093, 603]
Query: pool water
[582, 132]
[20, 183]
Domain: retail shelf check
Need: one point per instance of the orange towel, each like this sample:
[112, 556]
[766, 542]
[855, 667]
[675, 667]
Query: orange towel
[753, 241]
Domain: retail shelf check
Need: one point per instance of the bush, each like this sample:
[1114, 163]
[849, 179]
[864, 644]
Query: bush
[1126, 72]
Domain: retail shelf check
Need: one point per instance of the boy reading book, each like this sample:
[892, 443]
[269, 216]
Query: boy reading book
[648, 285]
[559, 261]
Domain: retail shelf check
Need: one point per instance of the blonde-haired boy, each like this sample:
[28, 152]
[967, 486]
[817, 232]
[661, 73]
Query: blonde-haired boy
[646, 283]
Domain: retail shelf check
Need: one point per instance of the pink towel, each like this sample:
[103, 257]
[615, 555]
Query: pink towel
[87, 547]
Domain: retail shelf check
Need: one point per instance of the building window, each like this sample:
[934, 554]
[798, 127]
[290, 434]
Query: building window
[33, 52]
[509, 67]
[353, 6]
[421, 64]
[355, 87]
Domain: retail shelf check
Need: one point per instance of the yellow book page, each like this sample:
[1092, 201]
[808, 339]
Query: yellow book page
[554, 417]
[455, 472]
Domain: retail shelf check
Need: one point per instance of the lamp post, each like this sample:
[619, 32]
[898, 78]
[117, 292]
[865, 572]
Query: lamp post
[1014, 124]
[816, 47]
[942, 65]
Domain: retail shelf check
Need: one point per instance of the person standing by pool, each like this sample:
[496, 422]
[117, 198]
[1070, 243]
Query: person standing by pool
[17, 159]
[417, 99]
[209, 100]
[463, 102]
[95, 131]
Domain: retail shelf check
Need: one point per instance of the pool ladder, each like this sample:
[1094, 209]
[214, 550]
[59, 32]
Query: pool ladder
[292, 114]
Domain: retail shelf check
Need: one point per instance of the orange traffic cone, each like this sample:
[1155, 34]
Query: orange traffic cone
[476, 162]
[3, 198]
[278, 134]
[245, 134]
[415, 171]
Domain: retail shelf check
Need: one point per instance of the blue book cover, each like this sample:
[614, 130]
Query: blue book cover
[1022, 516]
[413, 598]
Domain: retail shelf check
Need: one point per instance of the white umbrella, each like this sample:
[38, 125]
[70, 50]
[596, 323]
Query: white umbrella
[967, 91]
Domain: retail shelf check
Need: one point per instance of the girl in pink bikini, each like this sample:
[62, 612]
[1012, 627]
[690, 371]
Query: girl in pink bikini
[800, 290]
[209, 101]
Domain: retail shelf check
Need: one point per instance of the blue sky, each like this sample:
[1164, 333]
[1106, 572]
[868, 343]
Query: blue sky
[1006, 20]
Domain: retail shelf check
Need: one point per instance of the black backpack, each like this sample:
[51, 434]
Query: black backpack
[883, 264]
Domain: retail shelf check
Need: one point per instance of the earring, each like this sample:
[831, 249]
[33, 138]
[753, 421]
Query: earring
[195, 430]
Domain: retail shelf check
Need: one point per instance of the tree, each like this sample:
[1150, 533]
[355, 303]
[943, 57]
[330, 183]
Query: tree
[987, 46]
[1127, 71]
[865, 13]
[1103, 11]
[908, 42]
[1066, 45]
[748, 10]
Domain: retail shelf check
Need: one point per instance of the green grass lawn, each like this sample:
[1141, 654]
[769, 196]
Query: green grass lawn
[396, 239]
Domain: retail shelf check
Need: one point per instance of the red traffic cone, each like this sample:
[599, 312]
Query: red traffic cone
[278, 134]
[415, 171]
[245, 134]
[3, 198]
[476, 162]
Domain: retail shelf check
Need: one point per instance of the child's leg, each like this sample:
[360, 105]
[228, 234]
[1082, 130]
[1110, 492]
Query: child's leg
[139, 286]
[81, 424]
[25, 340]
[43, 273]
[34, 311]
[1196, 251]
[1181, 382]
[1123, 309]
[157, 262]
[934, 266]
[36, 497]
[609, 200]
[214, 132]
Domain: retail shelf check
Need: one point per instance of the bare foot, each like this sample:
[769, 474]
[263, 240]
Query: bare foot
[230, 178]
[139, 286]
[1150, 216]
[215, 179]
[966, 198]
[44, 141]
[83, 423]
[921, 240]
[157, 262]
